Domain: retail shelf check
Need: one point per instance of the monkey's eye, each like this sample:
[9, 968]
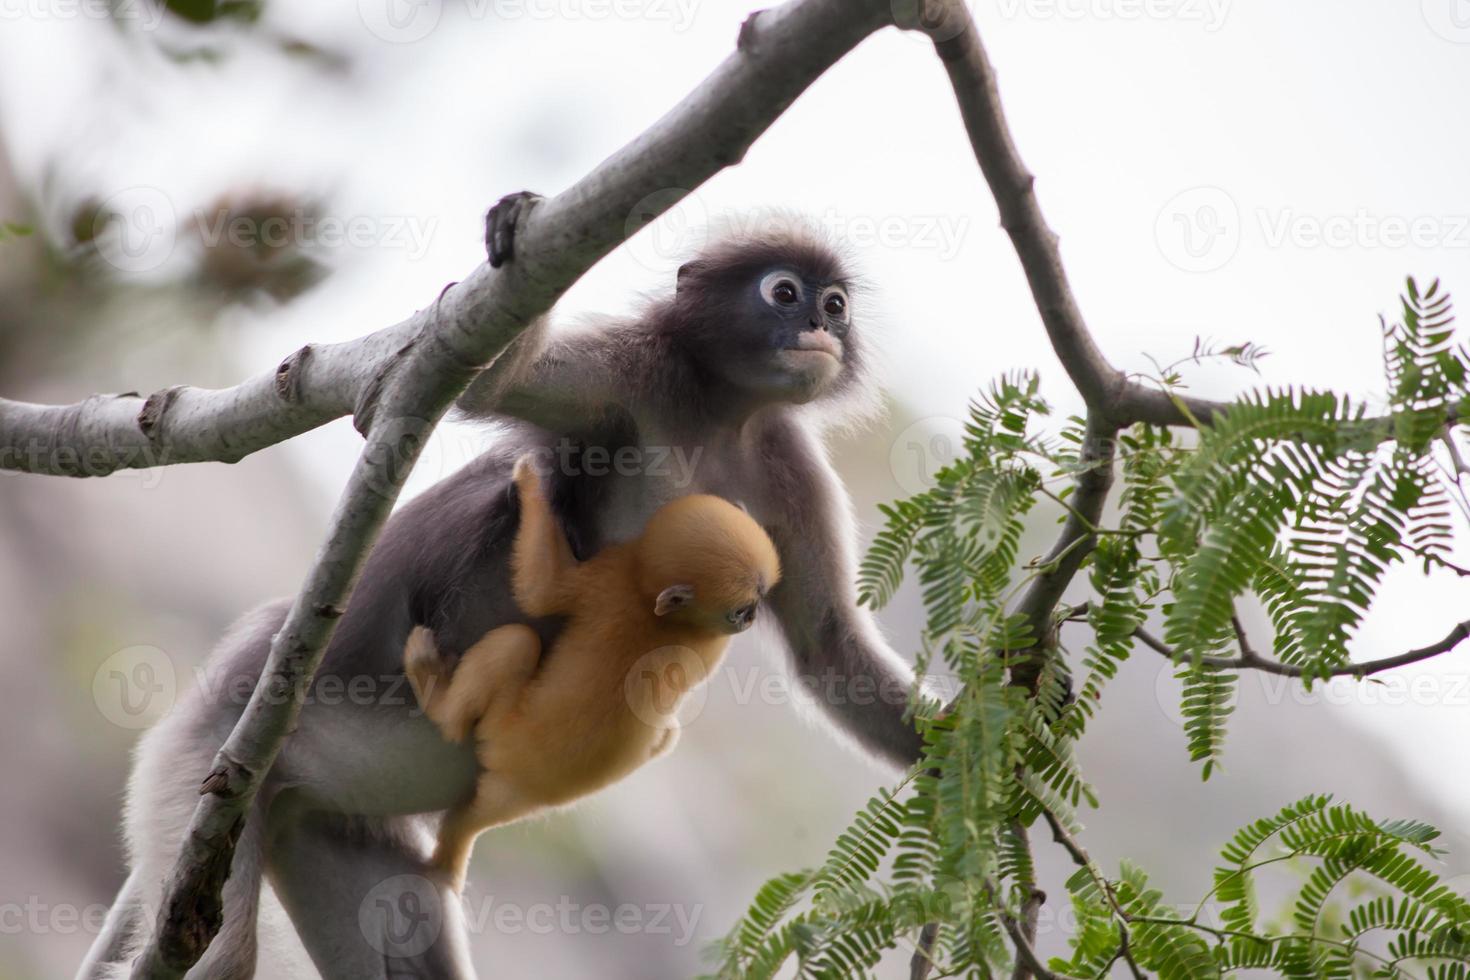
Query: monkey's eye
[780, 289]
[743, 616]
[835, 305]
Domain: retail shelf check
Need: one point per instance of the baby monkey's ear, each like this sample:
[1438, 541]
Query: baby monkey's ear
[674, 597]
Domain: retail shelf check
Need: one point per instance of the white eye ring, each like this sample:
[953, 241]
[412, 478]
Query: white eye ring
[773, 279]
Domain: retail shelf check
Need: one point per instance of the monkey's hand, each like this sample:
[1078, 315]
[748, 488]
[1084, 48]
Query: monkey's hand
[501, 222]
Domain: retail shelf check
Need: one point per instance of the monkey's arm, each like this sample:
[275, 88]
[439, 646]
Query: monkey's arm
[860, 682]
[560, 384]
[543, 567]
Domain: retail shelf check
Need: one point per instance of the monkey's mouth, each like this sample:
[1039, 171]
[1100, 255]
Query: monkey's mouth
[815, 348]
[815, 343]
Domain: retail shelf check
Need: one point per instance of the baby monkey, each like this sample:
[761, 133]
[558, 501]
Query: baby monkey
[646, 622]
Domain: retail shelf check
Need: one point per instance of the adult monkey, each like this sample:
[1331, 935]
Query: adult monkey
[728, 372]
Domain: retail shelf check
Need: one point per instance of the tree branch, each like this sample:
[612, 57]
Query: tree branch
[418, 368]
[1250, 660]
[781, 52]
[1110, 395]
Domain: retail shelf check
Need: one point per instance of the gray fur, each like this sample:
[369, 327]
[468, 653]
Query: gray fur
[695, 376]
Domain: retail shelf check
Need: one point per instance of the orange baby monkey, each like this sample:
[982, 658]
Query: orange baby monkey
[646, 622]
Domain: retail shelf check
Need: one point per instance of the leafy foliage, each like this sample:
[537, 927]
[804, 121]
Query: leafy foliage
[1301, 500]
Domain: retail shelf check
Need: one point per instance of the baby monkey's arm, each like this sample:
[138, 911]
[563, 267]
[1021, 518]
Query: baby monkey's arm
[542, 561]
[487, 682]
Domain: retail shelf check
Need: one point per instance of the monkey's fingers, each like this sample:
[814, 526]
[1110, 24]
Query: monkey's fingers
[500, 225]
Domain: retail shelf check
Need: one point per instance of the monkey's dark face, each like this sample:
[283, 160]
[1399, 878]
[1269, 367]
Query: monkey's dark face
[784, 336]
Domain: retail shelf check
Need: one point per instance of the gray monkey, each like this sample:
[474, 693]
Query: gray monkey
[733, 377]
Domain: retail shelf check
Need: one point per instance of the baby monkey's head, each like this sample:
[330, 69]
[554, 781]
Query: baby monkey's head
[703, 562]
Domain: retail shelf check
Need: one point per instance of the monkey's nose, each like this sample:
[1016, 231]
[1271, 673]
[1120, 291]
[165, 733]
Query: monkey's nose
[817, 323]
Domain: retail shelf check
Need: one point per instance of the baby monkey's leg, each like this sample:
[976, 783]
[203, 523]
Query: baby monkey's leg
[542, 562]
[496, 802]
[487, 682]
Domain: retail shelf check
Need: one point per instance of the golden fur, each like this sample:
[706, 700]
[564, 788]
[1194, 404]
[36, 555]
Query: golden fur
[646, 622]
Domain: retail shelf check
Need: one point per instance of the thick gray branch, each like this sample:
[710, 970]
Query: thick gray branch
[417, 369]
[782, 51]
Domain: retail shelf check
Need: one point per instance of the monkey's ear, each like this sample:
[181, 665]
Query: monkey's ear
[674, 597]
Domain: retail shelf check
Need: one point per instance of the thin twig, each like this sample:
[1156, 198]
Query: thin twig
[1250, 660]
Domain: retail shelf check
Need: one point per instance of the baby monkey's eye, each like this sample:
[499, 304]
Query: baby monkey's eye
[835, 305]
[743, 616]
[785, 292]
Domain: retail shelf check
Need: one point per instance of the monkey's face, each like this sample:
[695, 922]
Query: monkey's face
[788, 337]
[707, 609]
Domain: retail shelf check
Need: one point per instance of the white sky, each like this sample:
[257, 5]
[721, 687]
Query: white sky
[1301, 120]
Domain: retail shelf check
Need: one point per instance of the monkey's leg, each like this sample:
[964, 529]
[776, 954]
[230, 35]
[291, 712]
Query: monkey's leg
[542, 562]
[497, 801]
[365, 901]
[487, 681]
[501, 222]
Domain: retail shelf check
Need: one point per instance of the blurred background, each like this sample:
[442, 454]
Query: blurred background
[189, 193]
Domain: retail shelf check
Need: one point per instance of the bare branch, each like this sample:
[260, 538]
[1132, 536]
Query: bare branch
[1250, 660]
[433, 357]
